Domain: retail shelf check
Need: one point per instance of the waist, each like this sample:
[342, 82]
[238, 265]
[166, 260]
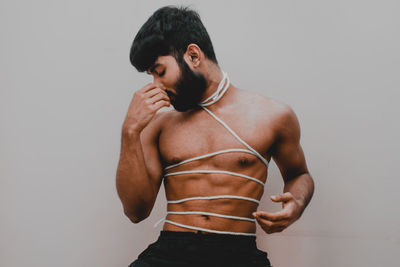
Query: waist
[210, 240]
[208, 224]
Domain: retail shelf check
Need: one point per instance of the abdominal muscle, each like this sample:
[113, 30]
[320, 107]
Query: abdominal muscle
[209, 221]
[199, 184]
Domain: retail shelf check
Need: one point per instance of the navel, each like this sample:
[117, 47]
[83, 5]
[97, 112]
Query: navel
[205, 216]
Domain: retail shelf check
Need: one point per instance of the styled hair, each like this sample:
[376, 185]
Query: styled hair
[169, 31]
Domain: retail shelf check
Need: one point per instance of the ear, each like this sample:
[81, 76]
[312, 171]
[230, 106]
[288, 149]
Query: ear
[193, 55]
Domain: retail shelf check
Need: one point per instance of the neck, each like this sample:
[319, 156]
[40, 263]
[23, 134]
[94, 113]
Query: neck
[213, 76]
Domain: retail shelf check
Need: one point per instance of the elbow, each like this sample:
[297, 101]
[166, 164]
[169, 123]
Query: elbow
[135, 218]
[138, 212]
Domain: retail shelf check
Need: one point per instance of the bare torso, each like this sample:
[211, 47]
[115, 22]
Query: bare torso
[190, 134]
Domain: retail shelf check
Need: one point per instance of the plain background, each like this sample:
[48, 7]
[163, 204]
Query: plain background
[66, 84]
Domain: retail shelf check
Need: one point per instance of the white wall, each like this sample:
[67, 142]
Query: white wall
[66, 84]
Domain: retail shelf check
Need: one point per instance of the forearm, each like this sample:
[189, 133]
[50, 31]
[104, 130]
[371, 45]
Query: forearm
[133, 183]
[301, 187]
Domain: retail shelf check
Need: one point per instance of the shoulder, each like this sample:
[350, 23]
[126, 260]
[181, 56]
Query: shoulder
[274, 113]
[284, 120]
[274, 109]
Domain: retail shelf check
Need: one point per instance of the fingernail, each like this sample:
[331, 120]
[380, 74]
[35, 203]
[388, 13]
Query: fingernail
[254, 214]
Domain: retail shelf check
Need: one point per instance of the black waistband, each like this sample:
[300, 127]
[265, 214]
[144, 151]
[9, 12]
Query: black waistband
[213, 239]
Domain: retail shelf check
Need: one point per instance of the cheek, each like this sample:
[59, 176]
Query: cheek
[170, 81]
[165, 81]
[172, 75]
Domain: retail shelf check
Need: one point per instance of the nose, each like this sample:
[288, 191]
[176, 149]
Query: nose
[158, 83]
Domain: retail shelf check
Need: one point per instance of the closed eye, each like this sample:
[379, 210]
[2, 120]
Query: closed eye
[162, 73]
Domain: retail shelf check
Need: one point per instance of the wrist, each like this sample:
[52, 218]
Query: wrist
[131, 131]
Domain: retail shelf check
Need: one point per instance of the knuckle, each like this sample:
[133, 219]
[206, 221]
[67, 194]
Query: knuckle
[153, 108]
[268, 224]
[289, 195]
[274, 226]
[148, 108]
[139, 95]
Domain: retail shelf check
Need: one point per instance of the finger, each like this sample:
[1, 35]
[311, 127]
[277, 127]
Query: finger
[276, 216]
[264, 223]
[160, 104]
[148, 87]
[271, 227]
[282, 197]
[154, 92]
[276, 230]
[269, 223]
[158, 97]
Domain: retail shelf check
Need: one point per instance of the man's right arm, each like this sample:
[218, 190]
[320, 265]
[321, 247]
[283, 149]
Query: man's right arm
[139, 173]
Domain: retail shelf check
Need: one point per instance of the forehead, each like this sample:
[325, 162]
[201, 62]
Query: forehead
[167, 61]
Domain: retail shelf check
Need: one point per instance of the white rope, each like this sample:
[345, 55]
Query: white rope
[224, 75]
[236, 136]
[212, 197]
[213, 214]
[210, 155]
[221, 89]
[216, 171]
[209, 230]
[219, 92]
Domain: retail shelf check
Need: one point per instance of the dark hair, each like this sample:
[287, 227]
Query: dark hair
[169, 31]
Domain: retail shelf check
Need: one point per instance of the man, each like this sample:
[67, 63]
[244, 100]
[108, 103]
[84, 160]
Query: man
[212, 151]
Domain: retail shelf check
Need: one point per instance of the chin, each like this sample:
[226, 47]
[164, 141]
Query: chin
[186, 108]
[170, 92]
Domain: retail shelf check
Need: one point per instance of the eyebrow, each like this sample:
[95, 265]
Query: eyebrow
[152, 68]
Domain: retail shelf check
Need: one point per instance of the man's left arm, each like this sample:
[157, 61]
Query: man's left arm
[298, 183]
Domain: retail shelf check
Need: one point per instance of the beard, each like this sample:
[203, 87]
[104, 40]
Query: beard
[190, 88]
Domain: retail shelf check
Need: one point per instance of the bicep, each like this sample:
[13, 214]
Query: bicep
[287, 152]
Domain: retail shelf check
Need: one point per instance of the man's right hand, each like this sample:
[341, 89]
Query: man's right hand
[144, 105]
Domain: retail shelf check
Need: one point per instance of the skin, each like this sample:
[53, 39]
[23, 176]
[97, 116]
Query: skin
[152, 140]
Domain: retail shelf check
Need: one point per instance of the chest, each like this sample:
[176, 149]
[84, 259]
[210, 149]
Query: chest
[186, 137]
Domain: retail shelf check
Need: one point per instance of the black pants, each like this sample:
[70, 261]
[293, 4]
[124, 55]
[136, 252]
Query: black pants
[189, 249]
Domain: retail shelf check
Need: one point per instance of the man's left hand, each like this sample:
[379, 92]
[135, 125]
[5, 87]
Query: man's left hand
[278, 221]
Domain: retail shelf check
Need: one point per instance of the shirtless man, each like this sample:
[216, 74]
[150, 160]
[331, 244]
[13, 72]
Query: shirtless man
[174, 47]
